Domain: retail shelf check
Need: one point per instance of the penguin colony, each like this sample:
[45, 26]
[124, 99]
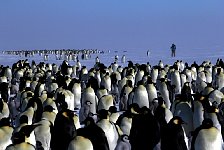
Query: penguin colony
[137, 107]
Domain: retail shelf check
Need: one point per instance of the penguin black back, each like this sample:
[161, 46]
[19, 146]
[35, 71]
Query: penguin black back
[173, 136]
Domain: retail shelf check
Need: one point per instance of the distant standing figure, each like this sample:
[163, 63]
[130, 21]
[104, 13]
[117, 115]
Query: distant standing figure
[116, 58]
[97, 59]
[148, 53]
[123, 59]
[173, 50]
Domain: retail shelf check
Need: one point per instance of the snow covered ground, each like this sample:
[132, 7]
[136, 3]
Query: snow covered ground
[137, 56]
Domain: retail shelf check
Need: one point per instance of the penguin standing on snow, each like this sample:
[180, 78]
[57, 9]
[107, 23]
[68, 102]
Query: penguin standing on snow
[173, 136]
[206, 137]
[94, 133]
[64, 129]
[145, 132]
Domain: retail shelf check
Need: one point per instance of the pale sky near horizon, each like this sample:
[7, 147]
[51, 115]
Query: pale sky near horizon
[111, 24]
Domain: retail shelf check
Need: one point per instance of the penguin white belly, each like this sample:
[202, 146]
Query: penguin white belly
[5, 136]
[42, 134]
[77, 94]
[110, 132]
[141, 98]
[184, 111]
[126, 125]
[105, 102]
[80, 143]
[198, 115]
[152, 92]
[209, 139]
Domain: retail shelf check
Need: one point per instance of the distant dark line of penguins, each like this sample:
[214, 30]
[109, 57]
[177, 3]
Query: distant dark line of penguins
[63, 54]
[138, 107]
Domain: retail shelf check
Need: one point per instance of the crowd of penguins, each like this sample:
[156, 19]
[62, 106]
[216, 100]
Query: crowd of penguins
[137, 107]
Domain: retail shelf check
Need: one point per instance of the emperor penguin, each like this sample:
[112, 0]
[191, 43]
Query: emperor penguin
[64, 129]
[27, 129]
[4, 109]
[80, 143]
[215, 96]
[106, 82]
[154, 74]
[94, 133]
[113, 114]
[76, 90]
[8, 73]
[164, 93]
[163, 114]
[6, 131]
[125, 122]
[19, 143]
[198, 114]
[123, 143]
[139, 76]
[43, 134]
[124, 94]
[207, 137]
[173, 136]
[145, 130]
[211, 113]
[219, 79]
[141, 96]
[89, 101]
[121, 84]
[49, 114]
[175, 80]
[111, 130]
[101, 92]
[151, 90]
[183, 110]
[123, 59]
[105, 102]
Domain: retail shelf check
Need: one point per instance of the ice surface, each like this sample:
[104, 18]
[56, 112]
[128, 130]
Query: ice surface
[137, 56]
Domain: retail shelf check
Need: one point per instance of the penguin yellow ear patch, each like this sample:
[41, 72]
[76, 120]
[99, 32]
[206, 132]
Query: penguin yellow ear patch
[202, 98]
[175, 121]
[216, 110]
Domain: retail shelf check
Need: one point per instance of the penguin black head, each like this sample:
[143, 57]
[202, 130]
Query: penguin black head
[103, 114]
[160, 101]
[28, 129]
[48, 108]
[207, 123]
[133, 106]
[18, 137]
[23, 119]
[162, 79]
[113, 109]
[144, 110]
[88, 121]
[5, 122]
[212, 109]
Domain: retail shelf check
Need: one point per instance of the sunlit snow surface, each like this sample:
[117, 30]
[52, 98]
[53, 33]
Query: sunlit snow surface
[137, 56]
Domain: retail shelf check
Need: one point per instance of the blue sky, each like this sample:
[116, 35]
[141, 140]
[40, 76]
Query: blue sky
[111, 24]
